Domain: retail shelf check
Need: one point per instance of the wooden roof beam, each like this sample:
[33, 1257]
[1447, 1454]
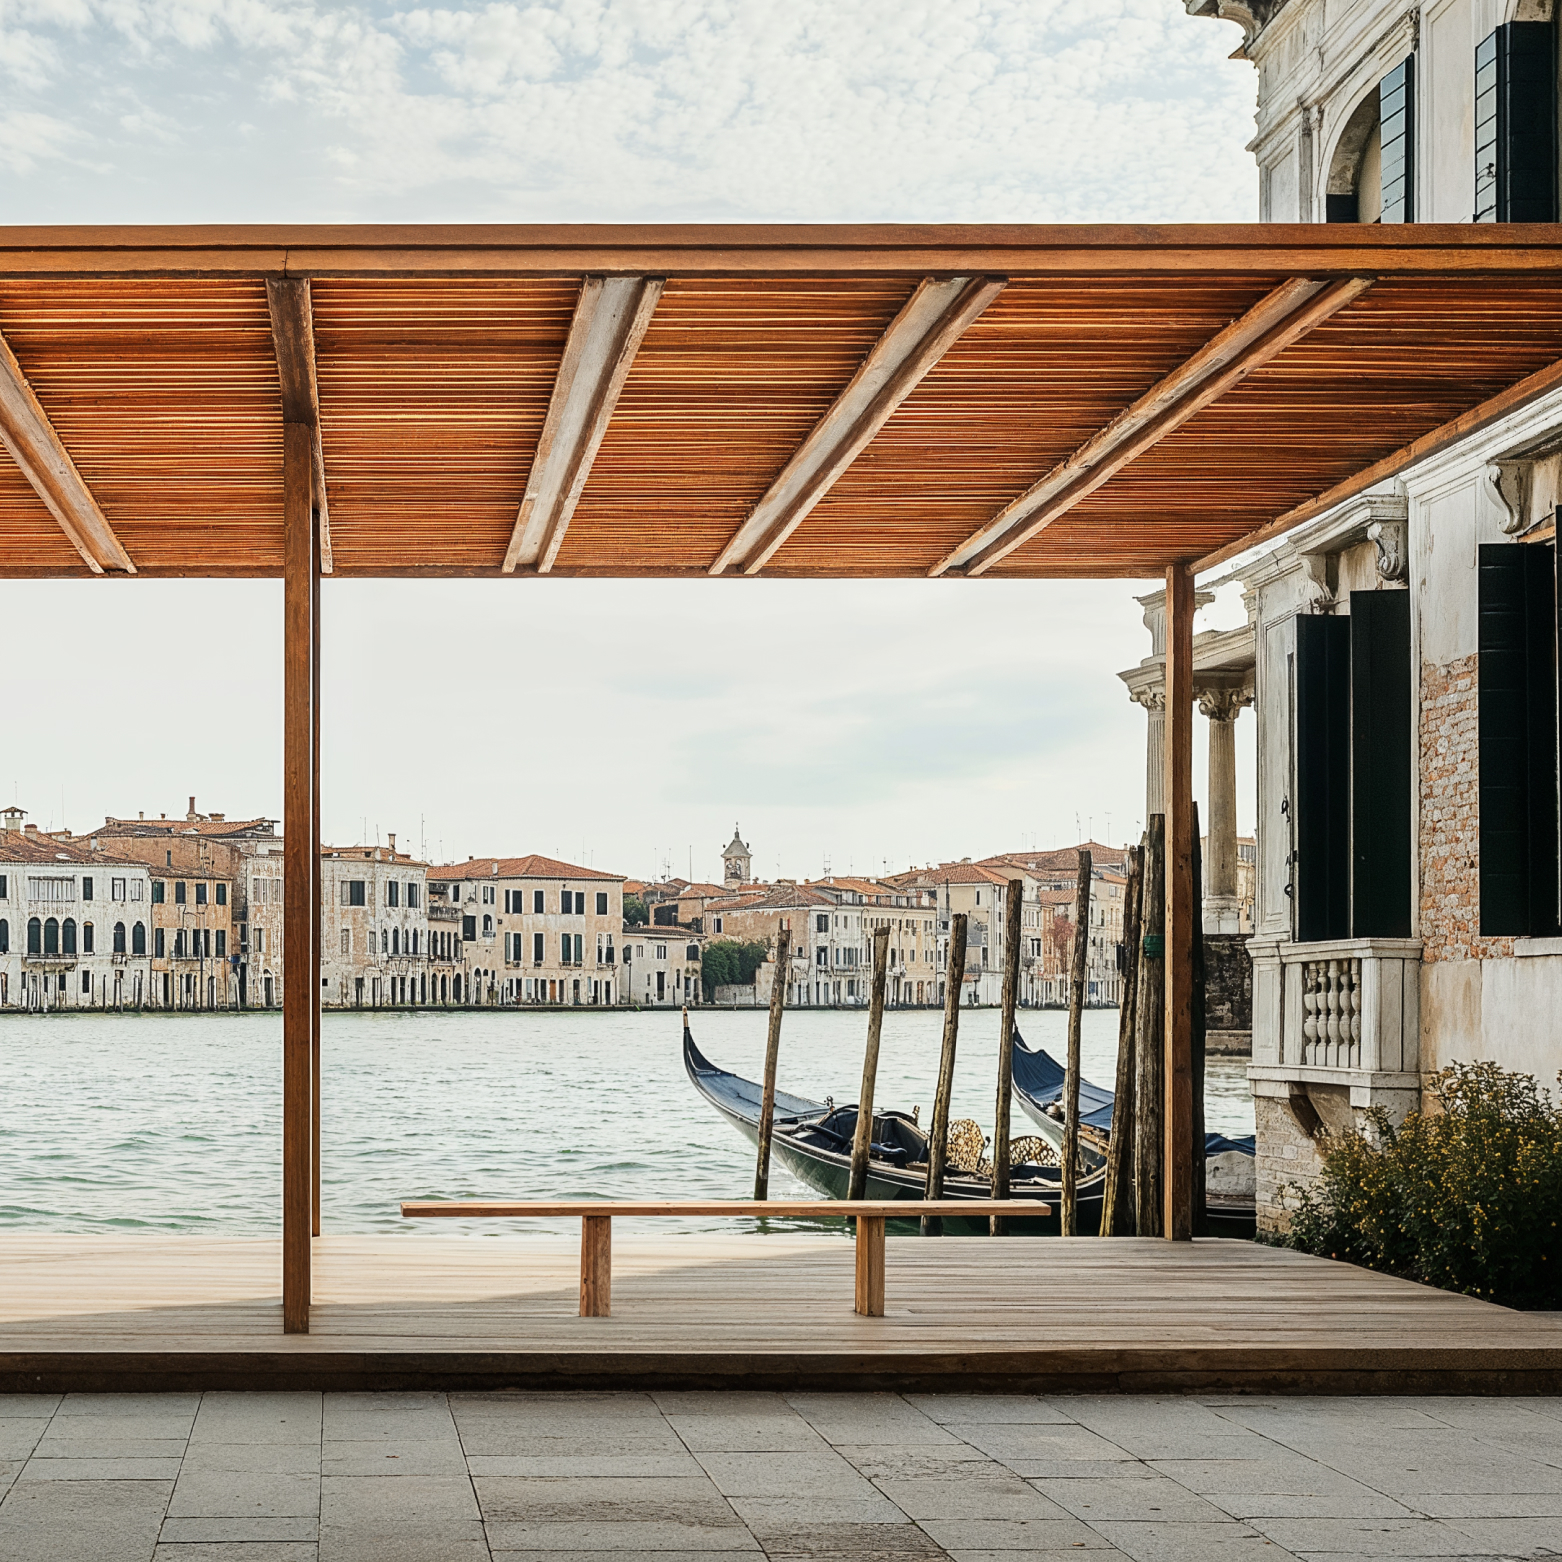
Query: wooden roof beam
[933, 319]
[293, 340]
[1276, 322]
[611, 319]
[28, 434]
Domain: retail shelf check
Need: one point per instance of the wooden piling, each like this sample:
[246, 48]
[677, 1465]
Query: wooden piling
[767, 1110]
[1149, 1053]
[862, 1140]
[938, 1134]
[1078, 971]
[1013, 931]
[1117, 1201]
[1177, 1124]
[1198, 1036]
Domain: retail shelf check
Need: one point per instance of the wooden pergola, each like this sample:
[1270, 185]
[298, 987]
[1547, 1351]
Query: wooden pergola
[811, 402]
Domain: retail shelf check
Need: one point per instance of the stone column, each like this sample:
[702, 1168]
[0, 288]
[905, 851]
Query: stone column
[1222, 907]
[1154, 702]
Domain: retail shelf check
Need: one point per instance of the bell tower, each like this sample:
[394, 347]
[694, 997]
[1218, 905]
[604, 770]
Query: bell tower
[737, 862]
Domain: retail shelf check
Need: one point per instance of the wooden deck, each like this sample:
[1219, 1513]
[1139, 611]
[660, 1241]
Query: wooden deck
[1032, 1314]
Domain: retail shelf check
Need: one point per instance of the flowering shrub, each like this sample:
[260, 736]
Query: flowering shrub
[1467, 1197]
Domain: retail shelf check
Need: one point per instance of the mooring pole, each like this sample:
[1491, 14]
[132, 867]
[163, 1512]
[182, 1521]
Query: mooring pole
[1117, 1205]
[767, 1109]
[1149, 1054]
[1177, 1127]
[1198, 1037]
[1078, 970]
[1014, 910]
[862, 1140]
[938, 1134]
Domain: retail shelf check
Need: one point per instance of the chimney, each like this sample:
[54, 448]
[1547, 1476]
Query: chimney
[30, 829]
[141, 813]
[191, 814]
[390, 835]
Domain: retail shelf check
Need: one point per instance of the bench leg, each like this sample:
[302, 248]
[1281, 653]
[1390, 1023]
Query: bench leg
[870, 1266]
[596, 1266]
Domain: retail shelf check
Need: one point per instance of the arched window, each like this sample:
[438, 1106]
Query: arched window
[119, 938]
[138, 939]
[1355, 190]
[51, 937]
[488, 926]
[86, 938]
[34, 936]
[5, 937]
[395, 941]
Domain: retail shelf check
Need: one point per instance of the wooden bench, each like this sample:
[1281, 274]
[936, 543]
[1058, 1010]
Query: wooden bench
[596, 1228]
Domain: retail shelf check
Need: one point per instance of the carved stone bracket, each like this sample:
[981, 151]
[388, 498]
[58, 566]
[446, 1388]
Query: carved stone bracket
[1392, 541]
[1510, 481]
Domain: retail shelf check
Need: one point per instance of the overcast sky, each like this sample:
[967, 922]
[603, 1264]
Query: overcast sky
[627, 724]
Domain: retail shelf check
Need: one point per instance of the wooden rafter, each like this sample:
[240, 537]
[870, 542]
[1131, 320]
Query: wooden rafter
[611, 318]
[1275, 323]
[293, 337]
[933, 319]
[27, 433]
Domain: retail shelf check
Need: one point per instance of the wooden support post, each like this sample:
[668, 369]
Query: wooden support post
[1178, 1171]
[300, 870]
[767, 1109]
[1149, 1053]
[596, 1266]
[316, 932]
[1117, 1206]
[862, 1140]
[870, 1266]
[1078, 970]
[1200, 1214]
[1014, 910]
[938, 1133]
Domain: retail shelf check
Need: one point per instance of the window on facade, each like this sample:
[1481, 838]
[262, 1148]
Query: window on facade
[1352, 771]
[601, 903]
[87, 936]
[119, 938]
[1397, 139]
[5, 936]
[565, 945]
[488, 926]
[135, 889]
[469, 928]
[200, 894]
[1520, 882]
[1516, 125]
[537, 900]
[179, 892]
[68, 936]
[222, 894]
[414, 895]
[392, 893]
[537, 948]
[181, 944]
[116, 889]
[488, 894]
[355, 892]
[86, 888]
[260, 940]
[719, 922]
[34, 936]
[51, 889]
[4, 891]
[138, 939]
[51, 936]
[395, 937]
[222, 943]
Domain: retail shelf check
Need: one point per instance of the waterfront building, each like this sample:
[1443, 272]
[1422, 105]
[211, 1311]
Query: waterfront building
[815, 966]
[249, 852]
[1407, 910]
[192, 930]
[660, 966]
[75, 924]
[534, 929]
[376, 942]
[910, 912]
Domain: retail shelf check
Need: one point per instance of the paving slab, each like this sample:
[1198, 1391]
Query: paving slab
[224, 1494]
[254, 1458]
[962, 1536]
[867, 1418]
[82, 1521]
[556, 1466]
[1378, 1537]
[233, 1531]
[816, 1473]
[777, 1517]
[855, 1543]
[1173, 1542]
[258, 1419]
[391, 1456]
[238, 1551]
[1004, 1409]
[1144, 1498]
[30, 1406]
[1515, 1536]
[1009, 1442]
[154, 1406]
[1286, 1475]
[625, 1539]
[38, 1471]
[992, 1494]
[19, 1436]
[917, 1461]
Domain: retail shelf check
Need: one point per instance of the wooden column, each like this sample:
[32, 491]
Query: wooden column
[596, 1266]
[1180, 930]
[300, 870]
[870, 1266]
[316, 933]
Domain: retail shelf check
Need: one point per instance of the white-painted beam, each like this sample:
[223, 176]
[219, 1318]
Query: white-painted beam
[933, 319]
[28, 434]
[610, 322]
[1276, 322]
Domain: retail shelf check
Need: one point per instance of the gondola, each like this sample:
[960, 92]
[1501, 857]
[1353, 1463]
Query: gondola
[813, 1141]
[1229, 1166]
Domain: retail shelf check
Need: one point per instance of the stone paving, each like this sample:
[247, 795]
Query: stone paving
[711, 1477]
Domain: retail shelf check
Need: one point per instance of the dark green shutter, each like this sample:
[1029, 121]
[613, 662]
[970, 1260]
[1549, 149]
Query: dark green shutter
[1397, 120]
[1380, 763]
[1518, 740]
[1322, 840]
[1515, 124]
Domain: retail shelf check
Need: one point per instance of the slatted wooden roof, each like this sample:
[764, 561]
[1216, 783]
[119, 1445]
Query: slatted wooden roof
[804, 401]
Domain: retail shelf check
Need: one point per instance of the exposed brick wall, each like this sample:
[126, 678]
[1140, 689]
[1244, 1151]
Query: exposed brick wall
[1285, 1155]
[1450, 816]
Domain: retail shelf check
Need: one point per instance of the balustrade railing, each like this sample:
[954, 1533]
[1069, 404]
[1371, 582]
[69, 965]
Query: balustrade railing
[1331, 1013]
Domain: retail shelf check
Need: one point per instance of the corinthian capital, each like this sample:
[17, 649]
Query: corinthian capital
[1222, 704]
[1151, 699]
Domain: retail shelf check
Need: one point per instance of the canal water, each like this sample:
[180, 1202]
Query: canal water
[172, 1123]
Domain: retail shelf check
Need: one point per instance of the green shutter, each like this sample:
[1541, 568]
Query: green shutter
[1397, 119]
[1515, 124]
[1322, 801]
[1381, 740]
[1518, 740]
